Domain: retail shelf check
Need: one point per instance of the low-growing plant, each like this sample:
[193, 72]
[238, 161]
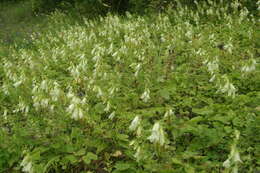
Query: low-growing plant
[160, 93]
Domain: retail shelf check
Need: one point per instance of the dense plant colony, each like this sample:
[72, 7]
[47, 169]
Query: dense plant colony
[88, 7]
[174, 92]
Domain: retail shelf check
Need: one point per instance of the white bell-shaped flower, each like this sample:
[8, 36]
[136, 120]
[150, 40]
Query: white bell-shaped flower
[75, 108]
[168, 113]
[137, 155]
[27, 165]
[250, 66]
[108, 107]
[236, 157]
[227, 163]
[77, 113]
[157, 135]
[227, 87]
[146, 95]
[112, 115]
[135, 123]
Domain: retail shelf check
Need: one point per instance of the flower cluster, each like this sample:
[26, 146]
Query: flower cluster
[249, 66]
[27, 164]
[225, 86]
[75, 107]
[234, 157]
[157, 135]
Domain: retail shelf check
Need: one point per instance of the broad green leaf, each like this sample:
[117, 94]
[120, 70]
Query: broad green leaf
[177, 161]
[203, 111]
[189, 169]
[196, 119]
[71, 158]
[81, 152]
[122, 137]
[165, 94]
[122, 166]
[89, 157]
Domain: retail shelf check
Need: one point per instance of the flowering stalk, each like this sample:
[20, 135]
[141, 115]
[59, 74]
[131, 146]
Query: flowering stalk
[27, 164]
[146, 95]
[234, 158]
[157, 136]
[225, 86]
[75, 107]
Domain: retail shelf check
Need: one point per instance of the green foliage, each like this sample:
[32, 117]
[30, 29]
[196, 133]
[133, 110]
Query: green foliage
[173, 92]
[101, 7]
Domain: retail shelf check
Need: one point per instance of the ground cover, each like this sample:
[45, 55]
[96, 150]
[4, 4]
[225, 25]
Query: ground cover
[171, 92]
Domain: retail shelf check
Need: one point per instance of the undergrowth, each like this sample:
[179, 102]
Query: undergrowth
[172, 92]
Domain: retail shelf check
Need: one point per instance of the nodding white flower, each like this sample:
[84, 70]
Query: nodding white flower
[70, 94]
[235, 5]
[139, 131]
[16, 84]
[168, 113]
[236, 157]
[44, 85]
[229, 47]
[209, 11]
[75, 72]
[212, 65]
[45, 102]
[227, 163]
[227, 87]
[74, 108]
[135, 123]
[77, 113]
[231, 90]
[189, 34]
[98, 90]
[146, 95]
[157, 135]
[5, 89]
[247, 69]
[40, 102]
[213, 77]
[5, 114]
[212, 36]
[96, 59]
[205, 62]
[201, 52]
[107, 108]
[112, 115]
[22, 107]
[112, 90]
[132, 142]
[28, 168]
[250, 66]
[27, 165]
[137, 155]
[244, 12]
[115, 54]
[163, 38]
[137, 69]
[55, 92]
[237, 134]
